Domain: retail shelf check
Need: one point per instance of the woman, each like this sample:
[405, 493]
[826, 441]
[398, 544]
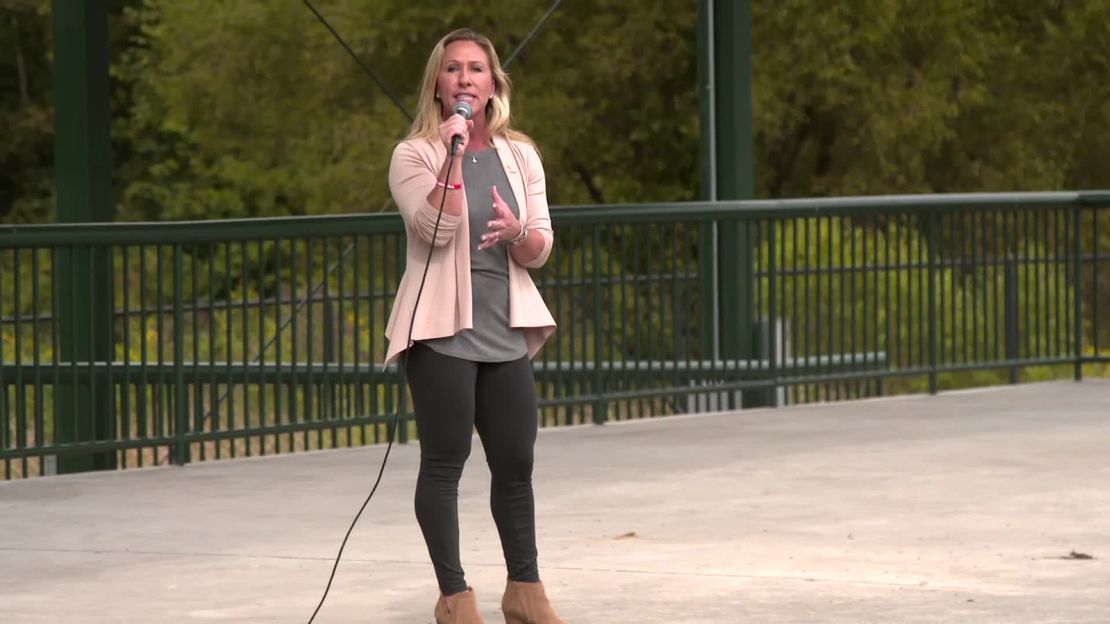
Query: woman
[480, 317]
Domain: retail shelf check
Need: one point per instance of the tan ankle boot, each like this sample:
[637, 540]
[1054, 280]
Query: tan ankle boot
[526, 603]
[464, 609]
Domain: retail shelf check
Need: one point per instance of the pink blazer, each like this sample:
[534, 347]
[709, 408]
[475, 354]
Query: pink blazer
[445, 305]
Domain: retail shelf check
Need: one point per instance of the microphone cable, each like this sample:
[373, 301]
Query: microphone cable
[403, 363]
[404, 357]
[397, 414]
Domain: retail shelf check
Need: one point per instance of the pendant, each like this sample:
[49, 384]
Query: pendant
[473, 159]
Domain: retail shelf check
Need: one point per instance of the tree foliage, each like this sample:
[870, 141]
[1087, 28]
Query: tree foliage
[875, 96]
[236, 109]
[26, 149]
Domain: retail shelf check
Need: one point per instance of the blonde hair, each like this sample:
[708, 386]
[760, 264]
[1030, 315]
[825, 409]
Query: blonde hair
[429, 113]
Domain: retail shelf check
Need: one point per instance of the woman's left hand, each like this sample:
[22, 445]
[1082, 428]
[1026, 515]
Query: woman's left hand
[503, 227]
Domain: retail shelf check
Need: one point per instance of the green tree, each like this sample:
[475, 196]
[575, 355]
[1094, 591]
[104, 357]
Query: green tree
[254, 109]
[871, 97]
[26, 112]
[227, 109]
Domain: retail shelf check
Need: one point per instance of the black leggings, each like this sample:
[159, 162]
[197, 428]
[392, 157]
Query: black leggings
[451, 397]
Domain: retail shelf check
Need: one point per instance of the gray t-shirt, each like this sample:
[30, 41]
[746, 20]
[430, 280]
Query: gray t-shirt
[491, 340]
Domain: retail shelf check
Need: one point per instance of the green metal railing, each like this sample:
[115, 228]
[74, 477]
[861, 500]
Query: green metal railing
[240, 338]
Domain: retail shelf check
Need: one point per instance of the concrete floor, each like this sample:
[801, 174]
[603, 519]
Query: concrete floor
[963, 507]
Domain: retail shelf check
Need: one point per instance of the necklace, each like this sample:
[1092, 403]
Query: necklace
[477, 155]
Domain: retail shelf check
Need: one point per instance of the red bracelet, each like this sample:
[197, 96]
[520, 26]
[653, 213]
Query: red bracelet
[445, 184]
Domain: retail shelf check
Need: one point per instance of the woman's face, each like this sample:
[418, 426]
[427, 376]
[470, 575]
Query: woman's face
[464, 77]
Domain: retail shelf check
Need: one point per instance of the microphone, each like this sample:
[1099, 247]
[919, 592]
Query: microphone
[463, 110]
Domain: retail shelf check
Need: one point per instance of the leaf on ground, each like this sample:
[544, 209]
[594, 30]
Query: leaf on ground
[1077, 555]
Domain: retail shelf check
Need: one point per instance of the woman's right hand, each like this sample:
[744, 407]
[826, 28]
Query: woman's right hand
[453, 126]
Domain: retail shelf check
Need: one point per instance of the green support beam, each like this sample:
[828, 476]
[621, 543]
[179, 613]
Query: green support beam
[83, 169]
[707, 234]
[727, 173]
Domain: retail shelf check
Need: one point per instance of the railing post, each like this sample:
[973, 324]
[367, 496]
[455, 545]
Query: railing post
[765, 337]
[1011, 315]
[180, 394]
[1096, 292]
[328, 386]
[83, 178]
[931, 249]
[725, 76]
[601, 404]
[1077, 281]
